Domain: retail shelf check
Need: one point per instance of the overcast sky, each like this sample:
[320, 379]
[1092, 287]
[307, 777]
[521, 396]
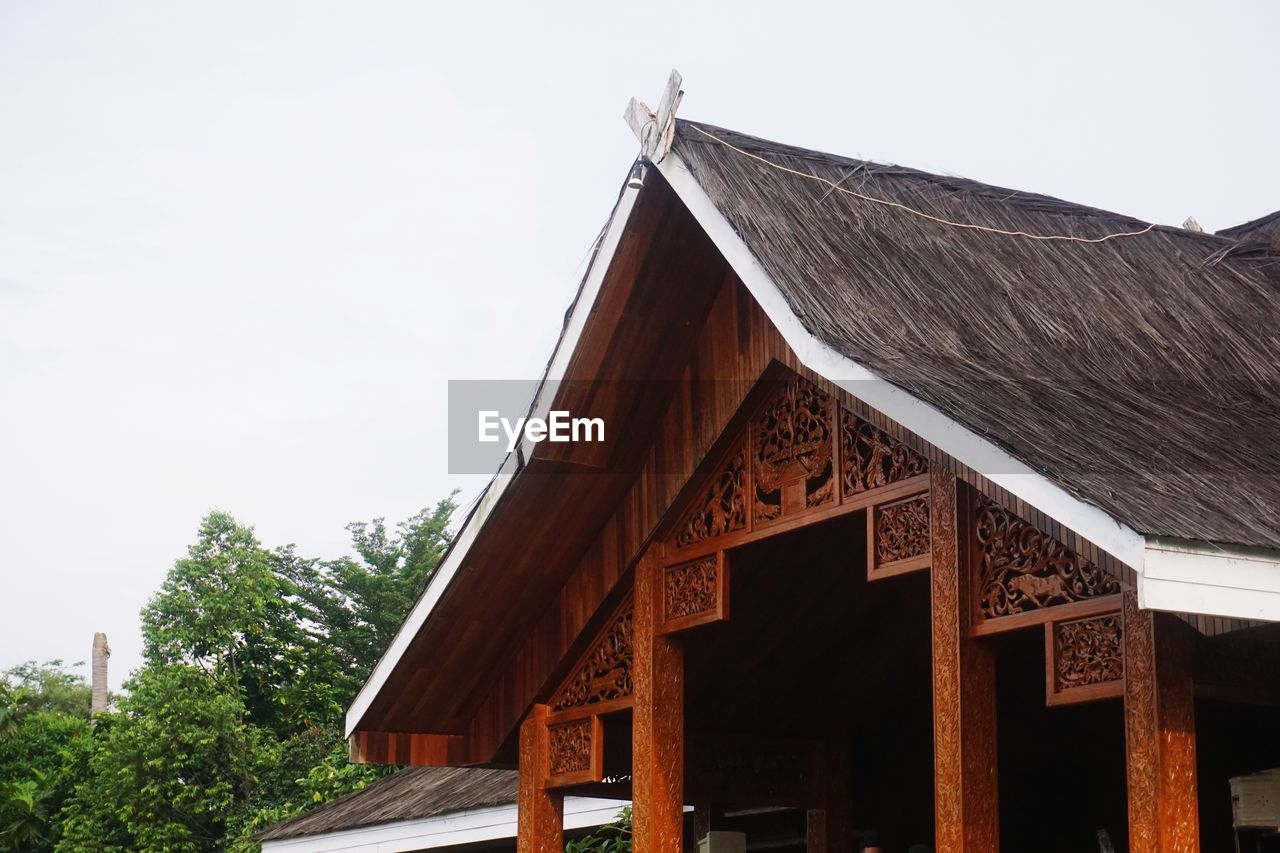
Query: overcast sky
[243, 246]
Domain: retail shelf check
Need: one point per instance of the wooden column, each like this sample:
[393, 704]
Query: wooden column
[540, 811]
[657, 739]
[964, 698]
[830, 818]
[1160, 733]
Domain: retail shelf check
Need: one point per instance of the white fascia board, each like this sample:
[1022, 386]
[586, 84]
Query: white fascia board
[447, 830]
[1199, 577]
[926, 421]
[511, 466]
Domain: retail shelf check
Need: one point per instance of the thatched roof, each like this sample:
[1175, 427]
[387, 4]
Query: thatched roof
[412, 794]
[1140, 373]
[1264, 229]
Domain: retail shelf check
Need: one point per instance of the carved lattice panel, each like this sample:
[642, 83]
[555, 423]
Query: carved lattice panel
[721, 507]
[871, 458]
[604, 674]
[695, 592]
[1022, 570]
[575, 752]
[792, 452]
[1084, 659]
[898, 537]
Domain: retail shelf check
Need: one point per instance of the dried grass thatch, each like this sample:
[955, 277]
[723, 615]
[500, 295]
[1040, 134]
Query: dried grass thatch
[1141, 373]
[412, 794]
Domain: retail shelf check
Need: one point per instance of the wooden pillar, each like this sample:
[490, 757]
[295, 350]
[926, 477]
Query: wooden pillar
[1160, 732]
[966, 814]
[830, 818]
[657, 738]
[540, 811]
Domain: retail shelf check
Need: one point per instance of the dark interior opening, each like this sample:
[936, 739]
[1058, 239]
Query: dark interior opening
[812, 650]
[1061, 769]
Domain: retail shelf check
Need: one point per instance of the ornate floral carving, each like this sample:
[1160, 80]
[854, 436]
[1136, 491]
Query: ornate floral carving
[902, 530]
[691, 589]
[792, 447]
[571, 746]
[1088, 651]
[722, 507]
[1021, 568]
[605, 673]
[871, 458]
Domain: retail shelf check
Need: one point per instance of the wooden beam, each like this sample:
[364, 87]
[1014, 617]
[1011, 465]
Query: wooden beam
[657, 776]
[964, 698]
[540, 811]
[1160, 732]
[407, 749]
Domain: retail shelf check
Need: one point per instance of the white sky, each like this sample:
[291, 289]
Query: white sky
[243, 246]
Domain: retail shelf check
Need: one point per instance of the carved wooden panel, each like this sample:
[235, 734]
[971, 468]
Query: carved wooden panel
[657, 724]
[540, 811]
[898, 537]
[1160, 733]
[966, 801]
[1084, 659]
[1020, 569]
[871, 458]
[604, 675]
[575, 751]
[721, 507]
[792, 451]
[695, 592]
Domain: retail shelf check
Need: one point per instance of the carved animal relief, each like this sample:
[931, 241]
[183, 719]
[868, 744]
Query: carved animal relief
[605, 673]
[792, 451]
[1020, 568]
[722, 507]
[870, 458]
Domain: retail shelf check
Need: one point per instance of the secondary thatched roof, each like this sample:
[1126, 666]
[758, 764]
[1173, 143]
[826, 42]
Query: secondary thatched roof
[412, 794]
[1140, 373]
[1264, 229]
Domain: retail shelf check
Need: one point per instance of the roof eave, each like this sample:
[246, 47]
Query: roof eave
[511, 468]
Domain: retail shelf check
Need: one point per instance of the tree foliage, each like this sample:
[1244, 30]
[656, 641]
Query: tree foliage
[234, 720]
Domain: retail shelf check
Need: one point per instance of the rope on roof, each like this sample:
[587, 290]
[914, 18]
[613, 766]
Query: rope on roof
[834, 186]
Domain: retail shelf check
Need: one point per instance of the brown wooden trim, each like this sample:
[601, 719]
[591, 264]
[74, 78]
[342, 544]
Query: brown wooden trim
[877, 570]
[966, 814]
[718, 611]
[539, 811]
[595, 709]
[593, 729]
[407, 749]
[1059, 613]
[1054, 693]
[853, 503]
[657, 729]
[1160, 734]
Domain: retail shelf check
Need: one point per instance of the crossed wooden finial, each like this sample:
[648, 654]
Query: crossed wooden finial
[656, 130]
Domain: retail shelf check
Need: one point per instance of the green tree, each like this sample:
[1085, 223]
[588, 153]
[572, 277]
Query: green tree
[234, 721]
[611, 838]
[173, 764]
[45, 744]
[224, 610]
